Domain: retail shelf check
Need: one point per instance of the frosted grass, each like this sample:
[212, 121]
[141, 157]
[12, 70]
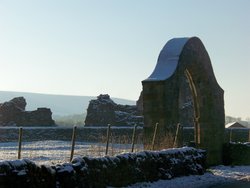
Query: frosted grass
[56, 151]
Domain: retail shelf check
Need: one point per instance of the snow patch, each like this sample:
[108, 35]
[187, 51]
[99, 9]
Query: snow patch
[217, 175]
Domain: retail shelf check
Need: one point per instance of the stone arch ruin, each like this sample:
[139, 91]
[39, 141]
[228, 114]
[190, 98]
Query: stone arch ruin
[185, 60]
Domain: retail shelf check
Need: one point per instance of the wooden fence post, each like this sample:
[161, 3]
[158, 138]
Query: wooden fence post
[133, 138]
[73, 143]
[231, 135]
[249, 135]
[20, 142]
[154, 136]
[182, 135]
[108, 135]
[176, 135]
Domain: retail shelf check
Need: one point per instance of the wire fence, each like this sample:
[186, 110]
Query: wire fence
[58, 144]
[237, 135]
[63, 144]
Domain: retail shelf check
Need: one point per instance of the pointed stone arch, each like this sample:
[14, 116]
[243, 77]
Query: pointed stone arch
[186, 57]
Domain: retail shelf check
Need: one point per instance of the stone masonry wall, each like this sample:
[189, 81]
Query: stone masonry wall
[121, 170]
[236, 153]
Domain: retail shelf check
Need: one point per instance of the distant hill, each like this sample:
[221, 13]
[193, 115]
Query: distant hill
[59, 104]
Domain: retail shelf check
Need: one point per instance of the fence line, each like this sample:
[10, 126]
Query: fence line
[237, 135]
[109, 138]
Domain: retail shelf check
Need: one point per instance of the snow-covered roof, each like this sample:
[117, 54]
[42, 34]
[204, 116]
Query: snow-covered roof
[168, 59]
[234, 124]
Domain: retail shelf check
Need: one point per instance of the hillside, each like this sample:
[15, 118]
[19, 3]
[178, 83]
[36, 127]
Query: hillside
[61, 105]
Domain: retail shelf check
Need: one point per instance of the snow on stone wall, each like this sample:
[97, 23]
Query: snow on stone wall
[121, 170]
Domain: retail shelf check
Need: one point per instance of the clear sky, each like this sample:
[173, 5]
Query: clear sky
[92, 47]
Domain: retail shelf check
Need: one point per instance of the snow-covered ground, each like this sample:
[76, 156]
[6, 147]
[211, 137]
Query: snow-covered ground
[217, 177]
[56, 151]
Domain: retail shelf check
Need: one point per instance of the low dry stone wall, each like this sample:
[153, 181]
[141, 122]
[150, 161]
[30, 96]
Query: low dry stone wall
[121, 170]
[83, 134]
[236, 153]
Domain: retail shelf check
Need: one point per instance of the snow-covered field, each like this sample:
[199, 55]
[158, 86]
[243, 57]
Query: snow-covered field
[56, 151]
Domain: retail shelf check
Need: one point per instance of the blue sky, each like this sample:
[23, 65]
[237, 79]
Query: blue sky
[93, 47]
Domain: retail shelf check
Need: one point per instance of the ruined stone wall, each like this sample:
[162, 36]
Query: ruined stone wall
[103, 111]
[12, 113]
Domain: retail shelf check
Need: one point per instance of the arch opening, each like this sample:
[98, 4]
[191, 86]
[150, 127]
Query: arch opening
[196, 111]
